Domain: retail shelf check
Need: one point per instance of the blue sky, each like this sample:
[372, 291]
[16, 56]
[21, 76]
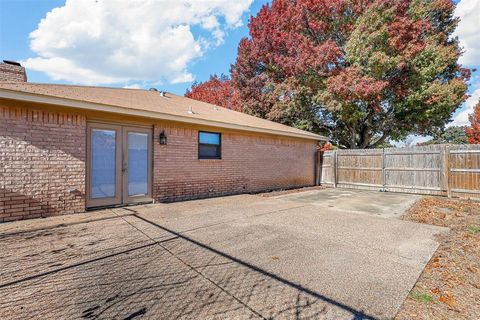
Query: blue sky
[165, 44]
[25, 15]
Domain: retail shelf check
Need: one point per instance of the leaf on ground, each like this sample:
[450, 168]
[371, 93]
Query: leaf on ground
[448, 299]
[451, 276]
[472, 269]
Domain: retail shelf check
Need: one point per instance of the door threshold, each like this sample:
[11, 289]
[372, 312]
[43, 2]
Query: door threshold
[118, 205]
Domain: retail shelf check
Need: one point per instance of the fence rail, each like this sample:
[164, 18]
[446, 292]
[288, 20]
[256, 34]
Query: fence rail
[449, 170]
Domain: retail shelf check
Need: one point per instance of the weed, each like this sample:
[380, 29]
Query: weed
[421, 297]
[474, 229]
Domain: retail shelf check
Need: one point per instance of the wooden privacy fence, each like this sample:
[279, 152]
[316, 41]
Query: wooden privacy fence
[449, 170]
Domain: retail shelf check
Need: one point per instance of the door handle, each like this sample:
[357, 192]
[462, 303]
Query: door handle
[124, 168]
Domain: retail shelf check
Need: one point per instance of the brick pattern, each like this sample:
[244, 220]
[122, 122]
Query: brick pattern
[9, 72]
[42, 156]
[250, 163]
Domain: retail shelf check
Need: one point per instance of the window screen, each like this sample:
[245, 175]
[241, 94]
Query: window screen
[209, 145]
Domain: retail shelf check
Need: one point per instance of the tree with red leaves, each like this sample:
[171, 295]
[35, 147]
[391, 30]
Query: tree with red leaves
[327, 147]
[473, 132]
[361, 71]
[217, 90]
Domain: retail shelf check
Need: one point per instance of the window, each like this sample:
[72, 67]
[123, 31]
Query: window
[209, 145]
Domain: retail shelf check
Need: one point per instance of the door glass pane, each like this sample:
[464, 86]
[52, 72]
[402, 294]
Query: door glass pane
[103, 163]
[137, 163]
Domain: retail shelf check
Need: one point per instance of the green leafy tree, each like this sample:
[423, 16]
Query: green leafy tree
[452, 135]
[361, 71]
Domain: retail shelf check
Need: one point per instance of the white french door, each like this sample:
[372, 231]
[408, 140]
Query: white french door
[119, 164]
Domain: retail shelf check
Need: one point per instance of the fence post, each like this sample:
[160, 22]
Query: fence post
[318, 168]
[384, 172]
[334, 167]
[446, 170]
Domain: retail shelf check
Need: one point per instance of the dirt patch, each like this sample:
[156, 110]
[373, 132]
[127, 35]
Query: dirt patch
[281, 192]
[449, 287]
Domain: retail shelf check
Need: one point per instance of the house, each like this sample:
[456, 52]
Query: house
[66, 148]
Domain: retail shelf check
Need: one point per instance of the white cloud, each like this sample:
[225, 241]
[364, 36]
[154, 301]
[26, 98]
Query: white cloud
[468, 31]
[132, 86]
[111, 41]
[461, 119]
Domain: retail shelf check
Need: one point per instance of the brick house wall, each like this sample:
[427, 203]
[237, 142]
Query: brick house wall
[42, 157]
[250, 163]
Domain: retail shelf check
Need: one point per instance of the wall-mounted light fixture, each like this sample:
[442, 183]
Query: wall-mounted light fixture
[163, 137]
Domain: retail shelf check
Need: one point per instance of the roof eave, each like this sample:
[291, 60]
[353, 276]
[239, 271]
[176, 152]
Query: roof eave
[38, 98]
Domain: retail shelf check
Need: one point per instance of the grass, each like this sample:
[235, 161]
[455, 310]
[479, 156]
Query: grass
[474, 229]
[421, 297]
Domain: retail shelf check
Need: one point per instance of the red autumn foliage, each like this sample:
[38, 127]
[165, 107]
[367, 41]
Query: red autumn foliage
[217, 90]
[360, 71]
[327, 147]
[350, 85]
[473, 132]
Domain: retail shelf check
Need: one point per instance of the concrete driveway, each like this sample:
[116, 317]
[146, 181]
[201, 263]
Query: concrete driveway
[384, 204]
[238, 257]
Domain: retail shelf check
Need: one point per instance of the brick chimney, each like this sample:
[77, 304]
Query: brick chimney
[12, 71]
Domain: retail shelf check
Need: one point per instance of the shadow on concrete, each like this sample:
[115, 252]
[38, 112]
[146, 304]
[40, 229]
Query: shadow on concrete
[175, 277]
[267, 276]
[60, 225]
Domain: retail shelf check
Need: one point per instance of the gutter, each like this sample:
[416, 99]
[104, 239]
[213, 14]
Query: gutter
[83, 105]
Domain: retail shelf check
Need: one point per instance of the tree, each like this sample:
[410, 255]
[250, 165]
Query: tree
[326, 147]
[217, 90]
[454, 135]
[473, 132]
[361, 71]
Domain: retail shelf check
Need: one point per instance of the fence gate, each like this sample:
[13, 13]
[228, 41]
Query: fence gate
[449, 170]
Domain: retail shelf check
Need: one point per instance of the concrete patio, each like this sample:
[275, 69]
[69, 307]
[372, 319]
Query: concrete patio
[236, 257]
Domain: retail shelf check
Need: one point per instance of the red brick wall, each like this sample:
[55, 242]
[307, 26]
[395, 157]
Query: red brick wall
[249, 163]
[42, 156]
[10, 72]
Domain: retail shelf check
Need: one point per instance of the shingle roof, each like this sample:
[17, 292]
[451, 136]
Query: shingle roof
[156, 105]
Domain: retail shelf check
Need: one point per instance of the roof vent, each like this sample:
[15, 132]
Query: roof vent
[161, 93]
[190, 110]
